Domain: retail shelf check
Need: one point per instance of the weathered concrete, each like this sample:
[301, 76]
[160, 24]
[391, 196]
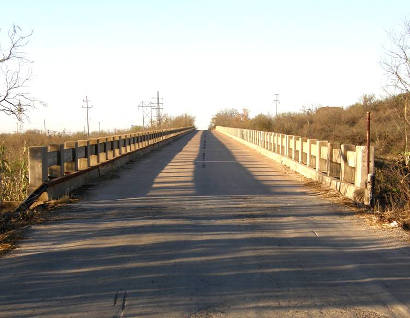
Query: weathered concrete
[93, 168]
[205, 227]
[353, 177]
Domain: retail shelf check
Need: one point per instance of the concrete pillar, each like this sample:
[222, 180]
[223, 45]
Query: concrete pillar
[361, 174]
[37, 166]
[344, 165]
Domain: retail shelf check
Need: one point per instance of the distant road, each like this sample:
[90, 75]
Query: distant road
[205, 228]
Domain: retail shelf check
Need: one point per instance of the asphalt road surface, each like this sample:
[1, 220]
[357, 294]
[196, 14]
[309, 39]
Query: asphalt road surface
[205, 227]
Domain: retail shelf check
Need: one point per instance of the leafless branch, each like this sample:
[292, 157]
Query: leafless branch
[14, 75]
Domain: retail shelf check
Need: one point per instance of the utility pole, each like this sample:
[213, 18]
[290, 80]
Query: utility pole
[157, 106]
[99, 127]
[87, 107]
[276, 100]
[45, 128]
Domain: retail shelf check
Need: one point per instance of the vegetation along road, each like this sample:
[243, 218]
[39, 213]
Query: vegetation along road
[205, 227]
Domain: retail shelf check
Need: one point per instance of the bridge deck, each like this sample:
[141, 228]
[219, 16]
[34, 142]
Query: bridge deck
[205, 228]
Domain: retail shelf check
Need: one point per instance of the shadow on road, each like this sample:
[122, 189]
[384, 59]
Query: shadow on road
[206, 228]
[201, 252]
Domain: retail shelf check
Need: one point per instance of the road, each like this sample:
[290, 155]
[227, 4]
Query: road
[205, 227]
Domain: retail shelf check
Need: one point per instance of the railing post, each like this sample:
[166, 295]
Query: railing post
[37, 166]
[344, 164]
[300, 141]
[293, 147]
[361, 174]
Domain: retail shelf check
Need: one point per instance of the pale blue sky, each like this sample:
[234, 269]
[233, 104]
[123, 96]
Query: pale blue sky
[202, 55]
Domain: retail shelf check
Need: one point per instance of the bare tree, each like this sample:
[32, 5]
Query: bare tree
[14, 74]
[397, 67]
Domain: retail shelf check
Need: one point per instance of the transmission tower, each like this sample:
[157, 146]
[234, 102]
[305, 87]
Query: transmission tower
[146, 110]
[156, 106]
[276, 100]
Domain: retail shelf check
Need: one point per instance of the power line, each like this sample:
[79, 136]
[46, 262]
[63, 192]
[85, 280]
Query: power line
[88, 107]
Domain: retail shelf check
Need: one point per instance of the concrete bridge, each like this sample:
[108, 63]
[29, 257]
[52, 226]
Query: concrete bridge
[205, 227]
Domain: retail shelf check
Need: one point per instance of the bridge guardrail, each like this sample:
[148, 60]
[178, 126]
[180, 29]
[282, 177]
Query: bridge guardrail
[342, 167]
[59, 161]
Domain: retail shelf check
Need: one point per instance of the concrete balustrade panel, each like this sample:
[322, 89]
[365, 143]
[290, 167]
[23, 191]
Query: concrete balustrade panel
[93, 154]
[298, 146]
[71, 163]
[312, 151]
[109, 147]
[347, 172]
[115, 148]
[55, 160]
[101, 152]
[321, 156]
[83, 151]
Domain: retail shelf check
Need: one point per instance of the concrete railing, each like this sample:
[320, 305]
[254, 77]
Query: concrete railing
[65, 161]
[342, 167]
